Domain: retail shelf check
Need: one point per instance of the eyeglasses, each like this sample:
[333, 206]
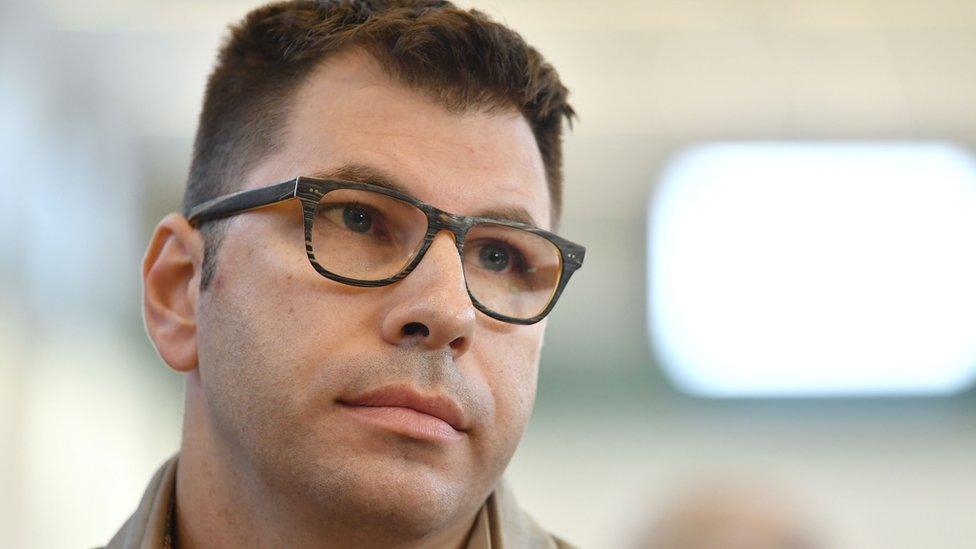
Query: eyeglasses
[367, 235]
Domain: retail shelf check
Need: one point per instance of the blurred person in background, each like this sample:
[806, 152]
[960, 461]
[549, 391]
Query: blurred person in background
[729, 514]
[357, 285]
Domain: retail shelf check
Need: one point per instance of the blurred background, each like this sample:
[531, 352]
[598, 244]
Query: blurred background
[771, 345]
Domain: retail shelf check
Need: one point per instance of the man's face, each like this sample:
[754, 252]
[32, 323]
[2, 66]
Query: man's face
[281, 347]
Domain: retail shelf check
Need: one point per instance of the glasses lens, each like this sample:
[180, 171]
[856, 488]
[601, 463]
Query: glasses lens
[511, 271]
[366, 235]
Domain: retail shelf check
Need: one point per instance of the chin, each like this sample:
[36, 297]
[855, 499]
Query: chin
[411, 496]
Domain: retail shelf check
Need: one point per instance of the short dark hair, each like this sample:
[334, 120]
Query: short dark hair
[461, 58]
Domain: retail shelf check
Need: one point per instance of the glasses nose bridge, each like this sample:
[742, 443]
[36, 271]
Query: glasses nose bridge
[457, 225]
[439, 220]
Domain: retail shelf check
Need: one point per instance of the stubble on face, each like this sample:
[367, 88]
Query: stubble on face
[272, 407]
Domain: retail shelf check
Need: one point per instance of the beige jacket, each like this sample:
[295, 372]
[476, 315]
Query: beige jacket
[501, 523]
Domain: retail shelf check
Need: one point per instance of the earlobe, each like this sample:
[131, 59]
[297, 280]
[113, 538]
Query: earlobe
[171, 290]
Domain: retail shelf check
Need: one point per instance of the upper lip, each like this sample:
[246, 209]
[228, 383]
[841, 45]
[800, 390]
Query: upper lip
[437, 405]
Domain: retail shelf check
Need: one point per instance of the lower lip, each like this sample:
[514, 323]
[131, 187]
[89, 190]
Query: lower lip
[405, 421]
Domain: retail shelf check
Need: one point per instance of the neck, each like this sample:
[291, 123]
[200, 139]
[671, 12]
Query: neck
[221, 501]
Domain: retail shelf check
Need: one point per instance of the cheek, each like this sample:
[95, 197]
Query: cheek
[250, 364]
[509, 362]
[243, 363]
[270, 319]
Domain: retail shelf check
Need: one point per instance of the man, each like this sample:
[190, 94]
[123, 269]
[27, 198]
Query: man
[365, 387]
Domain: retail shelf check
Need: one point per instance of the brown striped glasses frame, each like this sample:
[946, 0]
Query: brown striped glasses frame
[507, 299]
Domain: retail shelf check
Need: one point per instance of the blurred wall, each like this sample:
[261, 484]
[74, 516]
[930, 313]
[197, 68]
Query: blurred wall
[99, 107]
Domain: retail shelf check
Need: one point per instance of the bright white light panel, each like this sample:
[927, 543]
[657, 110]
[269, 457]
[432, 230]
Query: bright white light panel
[815, 269]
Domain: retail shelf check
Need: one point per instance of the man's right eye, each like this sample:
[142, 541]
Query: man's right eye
[348, 215]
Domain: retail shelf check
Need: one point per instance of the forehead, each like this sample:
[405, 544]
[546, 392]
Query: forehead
[350, 113]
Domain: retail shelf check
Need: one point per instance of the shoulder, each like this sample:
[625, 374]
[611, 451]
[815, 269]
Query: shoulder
[562, 544]
[147, 525]
[516, 528]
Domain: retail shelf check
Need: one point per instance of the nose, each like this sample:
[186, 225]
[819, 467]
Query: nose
[432, 307]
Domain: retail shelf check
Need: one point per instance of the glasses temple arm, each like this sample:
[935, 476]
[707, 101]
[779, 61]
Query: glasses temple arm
[241, 201]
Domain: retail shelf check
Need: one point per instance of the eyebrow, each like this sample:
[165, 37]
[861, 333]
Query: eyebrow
[362, 173]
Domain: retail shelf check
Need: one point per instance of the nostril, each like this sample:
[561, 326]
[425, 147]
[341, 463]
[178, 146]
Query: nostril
[415, 327]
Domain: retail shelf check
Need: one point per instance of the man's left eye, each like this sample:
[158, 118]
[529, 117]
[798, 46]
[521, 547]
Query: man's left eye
[493, 258]
[357, 218]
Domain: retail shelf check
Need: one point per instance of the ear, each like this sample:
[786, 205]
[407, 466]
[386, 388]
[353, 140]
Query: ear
[171, 290]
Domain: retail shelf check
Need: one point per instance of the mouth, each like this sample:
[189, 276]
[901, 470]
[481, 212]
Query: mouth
[407, 412]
